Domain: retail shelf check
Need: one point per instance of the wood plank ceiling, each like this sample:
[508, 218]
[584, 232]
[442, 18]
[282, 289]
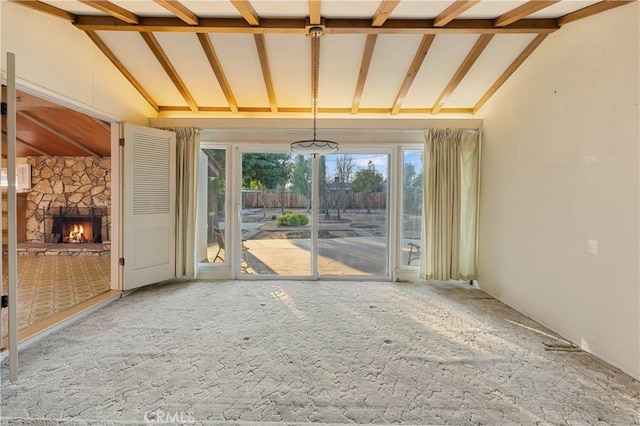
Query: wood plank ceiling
[47, 129]
[250, 57]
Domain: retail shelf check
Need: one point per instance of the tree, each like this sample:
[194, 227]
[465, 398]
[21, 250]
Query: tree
[268, 171]
[216, 189]
[301, 178]
[344, 169]
[264, 171]
[322, 172]
[412, 189]
[368, 181]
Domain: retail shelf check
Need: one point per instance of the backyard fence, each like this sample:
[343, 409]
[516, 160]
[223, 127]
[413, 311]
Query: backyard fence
[289, 200]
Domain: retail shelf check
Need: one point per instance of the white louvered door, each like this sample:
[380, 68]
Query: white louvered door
[149, 197]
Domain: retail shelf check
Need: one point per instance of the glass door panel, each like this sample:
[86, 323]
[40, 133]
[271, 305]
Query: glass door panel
[353, 215]
[275, 214]
[212, 223]
[412, 201]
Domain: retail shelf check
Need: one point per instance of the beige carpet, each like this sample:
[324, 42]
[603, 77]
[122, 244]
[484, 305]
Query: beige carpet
[50, 284]
[324, 352]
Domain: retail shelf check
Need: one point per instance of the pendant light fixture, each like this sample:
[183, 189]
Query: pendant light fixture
[315, 146]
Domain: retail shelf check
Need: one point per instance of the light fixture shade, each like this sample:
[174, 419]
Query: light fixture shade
[314, 147]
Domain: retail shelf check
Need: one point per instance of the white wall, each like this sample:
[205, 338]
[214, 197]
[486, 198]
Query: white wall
[560, 206]
[56, 59]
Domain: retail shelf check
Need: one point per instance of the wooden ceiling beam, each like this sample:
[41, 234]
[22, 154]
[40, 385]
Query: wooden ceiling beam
[523, 11]
[164, 61]
[123, 70]
[101, 123]
[214, 62]
[509, 71]
[315, 16]
[592, 10]
[46, 8]
[303, 110]
[418, 59]
[180, 10]
[35, 120]
[464, 68]
[331, 26]
[383, 12]
[28, 145]
[112, 9]
[247, 11]
[454, 10]
[369, 47]
[266, 71]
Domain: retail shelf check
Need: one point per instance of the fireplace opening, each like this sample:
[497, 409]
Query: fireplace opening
[76, 231]
[77, 226]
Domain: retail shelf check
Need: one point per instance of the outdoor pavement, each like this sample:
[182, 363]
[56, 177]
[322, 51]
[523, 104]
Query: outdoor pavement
[324, 351]
[350, 256]
[337, 256]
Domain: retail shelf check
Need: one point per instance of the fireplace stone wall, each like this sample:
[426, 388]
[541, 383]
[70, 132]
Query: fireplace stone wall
[67, 182]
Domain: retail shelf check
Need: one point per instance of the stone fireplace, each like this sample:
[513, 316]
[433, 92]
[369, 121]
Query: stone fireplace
[75, 225]
[69, 201]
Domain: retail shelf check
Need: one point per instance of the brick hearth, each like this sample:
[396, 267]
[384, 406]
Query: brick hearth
[52, 249]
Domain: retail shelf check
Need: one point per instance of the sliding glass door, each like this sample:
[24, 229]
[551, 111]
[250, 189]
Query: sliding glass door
[213, 229]
[353, 219]
[411, 207]
[275, 214]
[292, 215]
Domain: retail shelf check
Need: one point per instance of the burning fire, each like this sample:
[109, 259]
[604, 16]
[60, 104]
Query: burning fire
[77, 234]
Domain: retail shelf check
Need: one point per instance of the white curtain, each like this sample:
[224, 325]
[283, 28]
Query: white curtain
[450, 204]
[188, 147]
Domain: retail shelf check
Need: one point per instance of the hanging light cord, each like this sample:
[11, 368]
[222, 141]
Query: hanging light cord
[314, 146]
[316, 62]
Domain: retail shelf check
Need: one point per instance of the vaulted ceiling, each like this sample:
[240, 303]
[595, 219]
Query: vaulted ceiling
[383, 58]
[44, 128]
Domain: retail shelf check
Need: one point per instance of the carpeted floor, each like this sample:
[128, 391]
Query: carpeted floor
[298, 352]
[50, 284]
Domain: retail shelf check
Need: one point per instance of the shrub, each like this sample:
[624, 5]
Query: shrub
[274, 217]
[292, 219]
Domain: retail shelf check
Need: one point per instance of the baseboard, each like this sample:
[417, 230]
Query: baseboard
[632, 374]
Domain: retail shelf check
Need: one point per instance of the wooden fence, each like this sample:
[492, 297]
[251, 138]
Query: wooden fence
[289, 200]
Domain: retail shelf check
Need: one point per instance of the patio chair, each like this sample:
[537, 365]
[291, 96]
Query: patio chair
[414, 252]
[219, 234]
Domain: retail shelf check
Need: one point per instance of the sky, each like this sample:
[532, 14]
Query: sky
[380, 161]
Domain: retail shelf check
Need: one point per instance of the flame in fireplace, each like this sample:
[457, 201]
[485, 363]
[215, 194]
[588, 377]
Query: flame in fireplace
[77, 234]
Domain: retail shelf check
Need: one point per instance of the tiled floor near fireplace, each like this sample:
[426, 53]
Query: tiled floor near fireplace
[51, 284]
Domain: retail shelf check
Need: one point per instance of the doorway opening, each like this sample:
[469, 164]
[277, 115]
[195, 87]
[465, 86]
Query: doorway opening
[64, 197]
